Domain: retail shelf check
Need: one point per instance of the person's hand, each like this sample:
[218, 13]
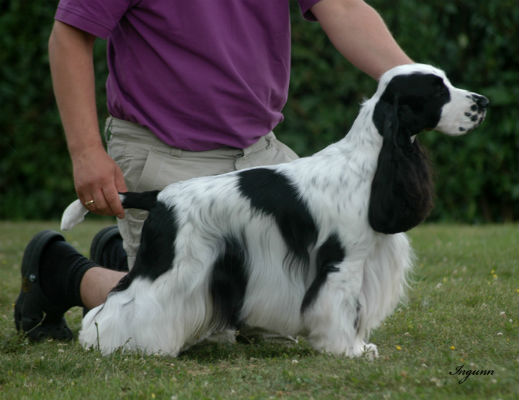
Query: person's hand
[97, 177]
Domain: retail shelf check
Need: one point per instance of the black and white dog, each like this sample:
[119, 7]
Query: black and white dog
[313, 247]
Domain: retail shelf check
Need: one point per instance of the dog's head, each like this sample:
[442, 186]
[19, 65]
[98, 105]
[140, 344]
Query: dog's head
[420, 97]
[410, 99]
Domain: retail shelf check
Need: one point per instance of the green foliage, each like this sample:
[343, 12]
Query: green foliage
[474, 42]
[35, 170]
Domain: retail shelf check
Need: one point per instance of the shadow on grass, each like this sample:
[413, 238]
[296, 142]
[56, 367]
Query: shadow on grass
[258, 348]
[204, 352]
[10, 344]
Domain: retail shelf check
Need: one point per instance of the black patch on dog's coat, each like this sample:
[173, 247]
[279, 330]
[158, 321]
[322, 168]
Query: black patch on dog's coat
[419, 99]
[357, 317]
[228, 283]
[272, 192]
[401, 191]
[157, 248]
[141, 201]
[328, 256]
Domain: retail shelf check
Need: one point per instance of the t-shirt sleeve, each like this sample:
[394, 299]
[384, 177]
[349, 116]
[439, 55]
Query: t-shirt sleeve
[305, 6]
[97, 17]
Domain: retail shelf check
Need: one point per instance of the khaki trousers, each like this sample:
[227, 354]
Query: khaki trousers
[149, 164]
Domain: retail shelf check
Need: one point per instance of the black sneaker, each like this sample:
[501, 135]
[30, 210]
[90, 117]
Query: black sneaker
[34, 314]
[106, 249]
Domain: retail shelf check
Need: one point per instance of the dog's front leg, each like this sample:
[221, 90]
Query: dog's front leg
[332, 321]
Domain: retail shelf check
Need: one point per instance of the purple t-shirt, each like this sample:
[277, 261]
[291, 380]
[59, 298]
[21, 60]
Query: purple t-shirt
[200, 74]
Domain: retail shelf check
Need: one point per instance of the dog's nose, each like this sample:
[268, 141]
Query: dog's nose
[481, 101]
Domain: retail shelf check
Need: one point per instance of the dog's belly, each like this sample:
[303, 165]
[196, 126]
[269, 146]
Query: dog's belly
[275, 286]
[276, 311]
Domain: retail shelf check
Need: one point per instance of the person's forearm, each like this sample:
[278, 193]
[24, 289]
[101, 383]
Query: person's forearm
[360, 35]
[71, 64]
[97, 178]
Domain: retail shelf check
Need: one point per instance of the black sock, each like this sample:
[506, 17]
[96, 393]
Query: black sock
[61, 271]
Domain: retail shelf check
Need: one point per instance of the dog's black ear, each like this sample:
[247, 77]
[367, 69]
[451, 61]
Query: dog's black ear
[401, 191]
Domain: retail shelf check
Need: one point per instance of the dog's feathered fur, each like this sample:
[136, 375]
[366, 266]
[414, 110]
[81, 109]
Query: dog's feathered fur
[313, 247]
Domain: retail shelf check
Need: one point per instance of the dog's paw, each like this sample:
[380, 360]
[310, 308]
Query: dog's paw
[370, 351]
[225, 336]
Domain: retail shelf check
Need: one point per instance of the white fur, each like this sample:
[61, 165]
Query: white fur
[73, 215]
[174, 311]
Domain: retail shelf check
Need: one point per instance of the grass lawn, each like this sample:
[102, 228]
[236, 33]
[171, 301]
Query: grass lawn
[461, 311]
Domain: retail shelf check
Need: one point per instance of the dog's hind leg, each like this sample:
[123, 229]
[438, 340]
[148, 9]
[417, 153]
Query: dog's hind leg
[332, 320]
[161, 316]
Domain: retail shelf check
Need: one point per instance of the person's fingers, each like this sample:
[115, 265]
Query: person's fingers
[113, 202]
[120, 186]
[86, 197]
[98, 180]
[101, 206]
[120, 183]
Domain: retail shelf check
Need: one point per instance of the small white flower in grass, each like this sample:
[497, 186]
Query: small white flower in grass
[436, 381]
[499, 333]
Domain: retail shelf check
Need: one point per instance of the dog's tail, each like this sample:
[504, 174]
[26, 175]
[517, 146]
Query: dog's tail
[142, 201]
[76, 211]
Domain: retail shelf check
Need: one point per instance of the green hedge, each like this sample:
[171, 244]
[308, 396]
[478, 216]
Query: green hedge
[474, 42]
